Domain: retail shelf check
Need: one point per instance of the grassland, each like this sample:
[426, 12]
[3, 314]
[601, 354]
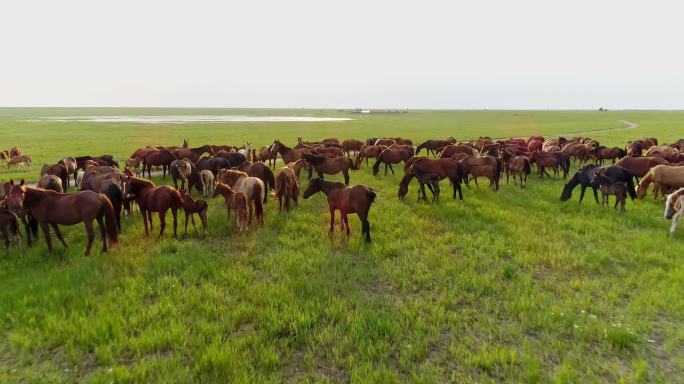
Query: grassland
[508, 286]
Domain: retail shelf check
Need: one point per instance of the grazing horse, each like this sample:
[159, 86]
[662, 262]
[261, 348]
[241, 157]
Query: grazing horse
[286, 187]
[330, 152]
[207, 182]
[267, 156]
[618, 189]
[57, 170]
[213, 164]
[431, 171]
[262, 171]
[324, 165]
[151, 198]
[99, 160]
[452, 149]
[192, 206]
[582, 178]
[252, 187]
[113, 188]
[51, 182]
[288, 154]
[662, 176]
[161, 158]
[666, 152]
[236, 201]
[181, 169]
[69, 163]
[347, 199]
[19, 161]
[234, 158]
[50, 208]
[639, 166]
[352, 145]
[14, 151]
[9, 225]
[544, 162]
[603, 153]
[389, 157]
[435, 146]
[674, 208]
[487, 166]
[372, 151]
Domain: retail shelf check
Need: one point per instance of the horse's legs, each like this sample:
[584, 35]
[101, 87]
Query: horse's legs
[59, 234]
[186, 223]
[595, 193]
[103, 232]
[162, 222]
[332, 219]
[249, 208]
[46, 231]
[675, 221]
[174, 213]
[390, 167]
[346, 221]
[385, 169]
[91, 235]
[144, 215]
[583, 189]
[346, 177]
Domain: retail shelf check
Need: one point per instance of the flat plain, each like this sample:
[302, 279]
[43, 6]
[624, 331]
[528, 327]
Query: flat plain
[503, 286]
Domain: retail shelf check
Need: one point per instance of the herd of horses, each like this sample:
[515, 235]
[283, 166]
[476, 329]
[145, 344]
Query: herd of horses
[245, 177]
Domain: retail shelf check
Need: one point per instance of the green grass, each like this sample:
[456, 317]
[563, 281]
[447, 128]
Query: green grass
[508, 286]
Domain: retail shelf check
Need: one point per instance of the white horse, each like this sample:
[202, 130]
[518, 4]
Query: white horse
[207, 181]
[247, 151]
[674, 208]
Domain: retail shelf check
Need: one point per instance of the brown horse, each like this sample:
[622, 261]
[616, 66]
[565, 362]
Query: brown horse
[286, 187]
[324, 165]
[662, 176]
[236, 201]
[434, 146]
[252, 187]
[452, 149]
[330, 152]
[297, 166]
[389, 157]
[14, 151]
[151, 198]
[69, 163]
[51, 182]
[639, 166]
[634, 148]
[19, 161]
[267, 156]
[9, 225]
[192, 154]
[608, 187]
[262, 171]
[666, 152]
[352, 145]
[603, 153]
[57, 170]
[430, 171]
[372, 151]
[347, 199]
[50, 208]
[674, 208]
[288, 154]
[544, 162]
[487, 166]
[192, 207]
[161, 158]
[181, 169]
[517, 165]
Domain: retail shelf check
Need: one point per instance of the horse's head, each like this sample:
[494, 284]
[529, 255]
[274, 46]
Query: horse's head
[15, 196]
[567, 192]
[313, 187]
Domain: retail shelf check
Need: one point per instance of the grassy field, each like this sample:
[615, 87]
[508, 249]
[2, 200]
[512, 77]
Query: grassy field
[502, 286]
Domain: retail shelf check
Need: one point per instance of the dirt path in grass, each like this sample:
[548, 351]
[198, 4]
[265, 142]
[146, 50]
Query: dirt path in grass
[628, 125]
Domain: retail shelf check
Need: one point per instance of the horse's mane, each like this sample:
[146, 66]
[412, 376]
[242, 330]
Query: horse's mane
[141, 183]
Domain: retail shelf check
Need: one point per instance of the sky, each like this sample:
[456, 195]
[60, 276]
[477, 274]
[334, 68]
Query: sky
[428, 54]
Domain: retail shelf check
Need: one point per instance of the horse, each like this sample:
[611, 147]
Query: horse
[19, 161]
[434, 146]
[389, 157]
[639, 166]
[50, 182]
[133, 165]
[69, 163]
[674, 208]
[236, 201]
[487, 166]
[603, 153]
[113, 188]
[352, 145]
[50, 208]
[262, 171]
[14, 151]
[618, 189]
[521, 166]
[9, 225]
[160, 158]
[582, 178]
[662, 176]
[192, 206]
[544, 162]
[235, 159]
[324, 165]
[330, 152]
[297, 166]
[57, 170]
[4, 156]
[151, 198]
[431, 171]
[207, 182]
[213, 164]
[267, 156]
[99, 160]
[666, 152]
[252, 187]
[347, 199]
[286, 187]
[634, 148]
[181, 169]
[452, 149]
[579, 151]
[192, 154]
[368, 151]
[247, 151]
[288, 154]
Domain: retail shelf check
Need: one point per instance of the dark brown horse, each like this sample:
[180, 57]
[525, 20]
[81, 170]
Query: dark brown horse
[389, 157]
[288, 154]
[487, 166]
[604, 153]
[352, 145]
[324, 165]
[430, 171]
[353, 199]
[634, 148]
[160, 158]
[50, 208]
[368, 151]
[57, 170]
[544, 162]
[151, 198]
[9, 225]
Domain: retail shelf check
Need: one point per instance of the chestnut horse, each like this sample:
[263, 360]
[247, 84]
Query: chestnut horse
[236, 201]
[252, 187]
[352, 145]
[603, 153]
[288, 154]
[347, 199]
[324, 165]
[192, 207]
[286, 187]
[662, 176]
[262, 171]
[9, 225]
[51, 182]
[389, 157]
[151, 198]
[69, 163]
[674, 208]
[639, 166]
[487, 166]
[57, 170]
[438, 169]
[267, 156]
[50, 208]
[161, 158]
[372, 151]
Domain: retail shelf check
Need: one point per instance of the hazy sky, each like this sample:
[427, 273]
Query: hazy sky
[417, 54]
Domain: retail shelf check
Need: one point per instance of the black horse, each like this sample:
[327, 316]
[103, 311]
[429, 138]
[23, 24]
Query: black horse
[583, 179]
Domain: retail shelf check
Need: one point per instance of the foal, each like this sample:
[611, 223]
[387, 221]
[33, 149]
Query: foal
[192, 206]
[674, 208]
[9, 224]
[607, 187]
[207, 181]
[236, 201]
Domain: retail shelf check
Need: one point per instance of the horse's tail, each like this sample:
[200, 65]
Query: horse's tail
[527, 167]
[630, 185]
[259, 201]
[499, 166]
[371, 194]
[351, 164]
[270, 179]
[110, 220]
